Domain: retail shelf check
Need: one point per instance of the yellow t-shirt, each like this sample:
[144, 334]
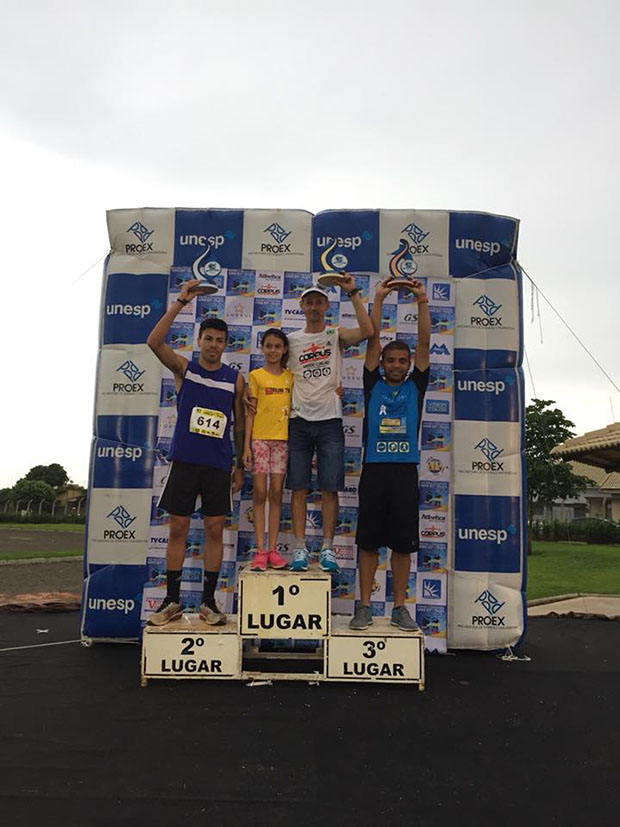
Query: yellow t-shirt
[274, 403]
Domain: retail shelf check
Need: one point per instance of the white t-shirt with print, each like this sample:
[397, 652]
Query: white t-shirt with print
[315, 360]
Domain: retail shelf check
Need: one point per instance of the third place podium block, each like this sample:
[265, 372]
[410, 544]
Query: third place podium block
[285, 604]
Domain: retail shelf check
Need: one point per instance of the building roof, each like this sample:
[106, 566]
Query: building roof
[599, 448]
[602, 479]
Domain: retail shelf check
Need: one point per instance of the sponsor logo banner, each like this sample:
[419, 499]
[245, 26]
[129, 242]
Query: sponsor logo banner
[128, 381]
[487, 457]
[118, 525]
[211, 237]
[479, 242]
[277, 239]
[346, 240]
[413, 243]
[133, 305]
[487, 533]
[491, 395]
[121, 466]
[487, 315]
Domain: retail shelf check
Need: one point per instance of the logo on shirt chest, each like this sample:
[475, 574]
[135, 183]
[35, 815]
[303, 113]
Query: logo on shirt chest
[315, 353]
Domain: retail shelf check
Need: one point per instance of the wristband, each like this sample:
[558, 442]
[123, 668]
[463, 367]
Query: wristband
[183, 302]
[353, 292]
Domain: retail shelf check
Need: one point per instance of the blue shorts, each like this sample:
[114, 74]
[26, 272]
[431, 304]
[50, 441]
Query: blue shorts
[327, 439]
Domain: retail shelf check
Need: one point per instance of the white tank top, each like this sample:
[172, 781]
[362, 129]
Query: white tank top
[315, 359]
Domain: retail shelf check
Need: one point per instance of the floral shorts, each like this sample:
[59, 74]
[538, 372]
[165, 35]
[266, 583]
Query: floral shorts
[269, 456]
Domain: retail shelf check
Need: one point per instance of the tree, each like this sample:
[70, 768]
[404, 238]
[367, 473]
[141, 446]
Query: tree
[54, 474]
[34, 490]
[548, 477]
[5, 494]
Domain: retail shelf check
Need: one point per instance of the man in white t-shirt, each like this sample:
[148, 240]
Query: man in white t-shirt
[315, 359]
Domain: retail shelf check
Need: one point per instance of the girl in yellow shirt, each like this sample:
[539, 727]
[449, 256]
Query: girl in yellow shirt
[266, 444]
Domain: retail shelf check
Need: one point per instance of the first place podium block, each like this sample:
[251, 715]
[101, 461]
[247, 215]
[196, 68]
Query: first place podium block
[280, 603]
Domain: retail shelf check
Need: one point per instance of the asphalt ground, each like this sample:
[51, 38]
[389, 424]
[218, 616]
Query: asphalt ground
[507, 743]
[27, 543]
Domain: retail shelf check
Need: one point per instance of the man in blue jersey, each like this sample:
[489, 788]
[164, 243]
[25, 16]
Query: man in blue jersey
[388, 489]
[209, 397]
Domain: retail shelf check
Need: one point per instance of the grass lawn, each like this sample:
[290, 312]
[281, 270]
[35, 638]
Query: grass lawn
[37, 555]
[566, 568]
[43, 526]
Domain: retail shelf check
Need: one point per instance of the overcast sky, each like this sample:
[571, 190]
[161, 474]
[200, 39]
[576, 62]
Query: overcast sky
[508, 108]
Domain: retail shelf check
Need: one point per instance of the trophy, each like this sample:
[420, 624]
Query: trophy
[203, 272]
[330, 277]
[402, 268]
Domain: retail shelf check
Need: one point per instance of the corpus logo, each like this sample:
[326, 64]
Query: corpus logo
[487, 305]
[277, 232]
[121, 516]
[140, 231]
[488, 600]
[431, 589]
[131, 370]
[489, 449]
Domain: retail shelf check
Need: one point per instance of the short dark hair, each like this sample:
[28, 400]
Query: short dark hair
[396, 344]
[213, 324]
[279, 334]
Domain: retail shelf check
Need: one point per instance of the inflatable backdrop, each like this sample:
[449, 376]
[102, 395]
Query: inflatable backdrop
[467, 585]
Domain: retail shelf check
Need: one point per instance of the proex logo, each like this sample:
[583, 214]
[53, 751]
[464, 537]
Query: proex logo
[142, 233]
[279, 235]
[133, 373]
[491, 452]
[122, 518]
[489, 308]
[416, 234]
[492, 605]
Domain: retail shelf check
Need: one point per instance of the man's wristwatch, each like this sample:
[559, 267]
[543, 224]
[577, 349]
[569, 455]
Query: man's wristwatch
[352, 292]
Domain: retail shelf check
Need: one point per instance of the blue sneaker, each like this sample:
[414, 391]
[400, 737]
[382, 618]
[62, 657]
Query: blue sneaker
[300, 560]
[328, 562]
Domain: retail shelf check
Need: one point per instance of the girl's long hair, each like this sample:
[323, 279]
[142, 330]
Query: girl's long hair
[275, 331]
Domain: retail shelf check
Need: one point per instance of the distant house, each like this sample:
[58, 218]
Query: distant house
[599, 500]
[69, 496]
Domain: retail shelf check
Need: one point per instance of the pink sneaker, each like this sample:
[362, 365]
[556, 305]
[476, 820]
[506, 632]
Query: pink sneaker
[259, 561]
[276, 561]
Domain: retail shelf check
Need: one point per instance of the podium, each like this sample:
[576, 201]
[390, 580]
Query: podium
[284, 630]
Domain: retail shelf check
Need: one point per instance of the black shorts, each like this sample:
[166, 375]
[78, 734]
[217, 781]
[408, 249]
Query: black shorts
[186, 481]
[388, 507]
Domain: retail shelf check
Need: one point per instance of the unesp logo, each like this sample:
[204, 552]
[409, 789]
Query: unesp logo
[487, 305]
[121, 516]
[140, 231]
[131, 370]
[493, 535]
[495, 387]
[338, 259]
[492, 605]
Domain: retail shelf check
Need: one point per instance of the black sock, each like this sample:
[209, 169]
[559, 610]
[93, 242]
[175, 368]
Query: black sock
[208, 590]
[173, 584]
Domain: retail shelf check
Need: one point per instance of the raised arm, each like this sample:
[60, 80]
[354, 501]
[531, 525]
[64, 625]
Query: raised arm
[157, 337]
[422, 356]
[373, 348]
[237, 480]
[354, 335]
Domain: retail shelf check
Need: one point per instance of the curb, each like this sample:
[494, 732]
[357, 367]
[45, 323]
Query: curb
[542, 601]
[22, 562]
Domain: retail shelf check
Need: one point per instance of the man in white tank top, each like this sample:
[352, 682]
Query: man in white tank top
[315, 359]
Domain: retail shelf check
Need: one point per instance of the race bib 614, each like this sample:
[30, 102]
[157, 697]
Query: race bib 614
[207, 422]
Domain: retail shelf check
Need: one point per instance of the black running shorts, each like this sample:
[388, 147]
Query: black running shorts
[186, 481]
[388, 507]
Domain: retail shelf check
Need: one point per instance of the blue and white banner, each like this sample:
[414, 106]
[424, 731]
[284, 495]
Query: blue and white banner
[466, 585]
